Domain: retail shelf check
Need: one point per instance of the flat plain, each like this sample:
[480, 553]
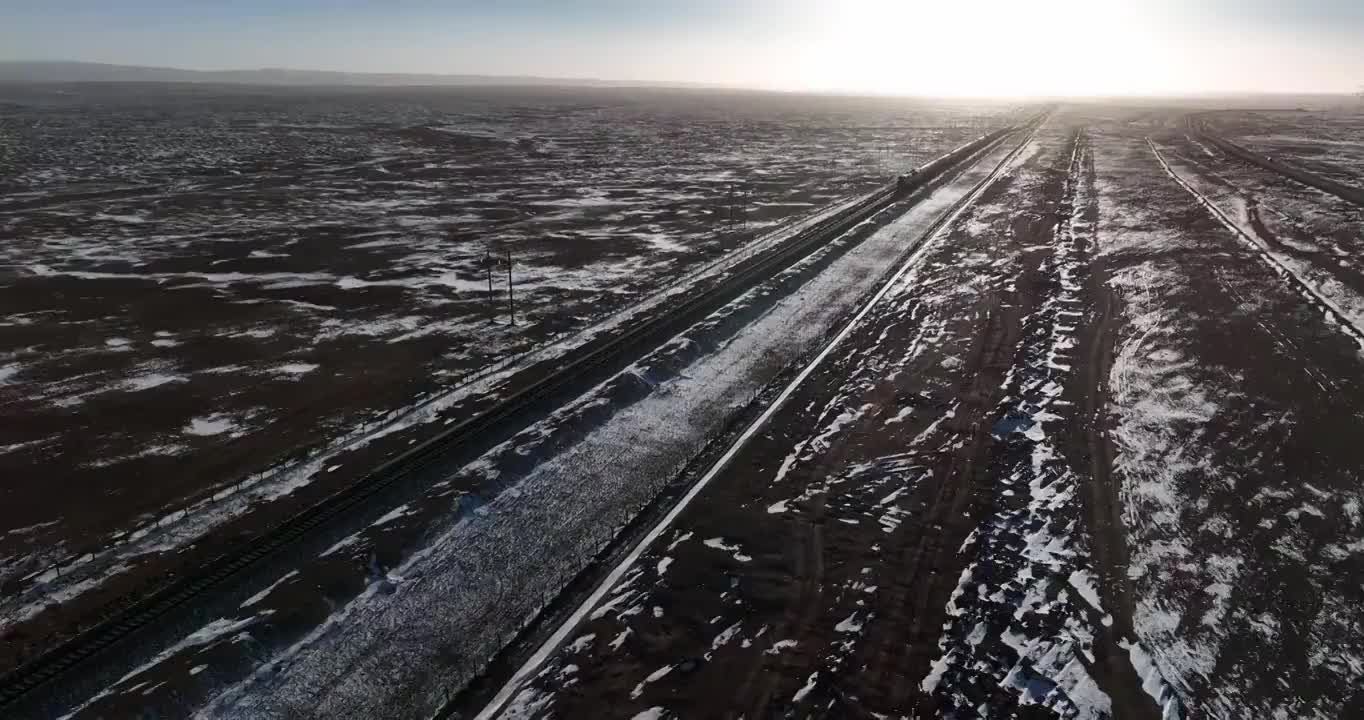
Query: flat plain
[222, 303]
[1071, 432]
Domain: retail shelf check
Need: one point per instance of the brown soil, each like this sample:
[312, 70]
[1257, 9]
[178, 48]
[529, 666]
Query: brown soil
[825, 570]
[182, 218]
[810, 565]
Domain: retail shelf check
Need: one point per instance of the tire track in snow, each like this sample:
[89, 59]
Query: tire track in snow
[1025, 624]
[1286, 273]
[926, 242]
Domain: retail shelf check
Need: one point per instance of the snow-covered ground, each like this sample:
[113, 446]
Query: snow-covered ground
[183, 526]
[1315, 277]
[1325, 138]
[1225, 380]
[1030, 587]
[464, 596]
[305, 263]
[1096, 450]
[814, 466]
[1230, 401]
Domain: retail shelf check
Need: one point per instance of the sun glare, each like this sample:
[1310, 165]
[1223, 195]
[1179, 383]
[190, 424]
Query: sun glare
[983, 47]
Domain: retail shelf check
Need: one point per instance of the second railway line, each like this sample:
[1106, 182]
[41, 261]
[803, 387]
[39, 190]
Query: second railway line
[31, 681]
[1290, 275]
[1199, 126]
[912, 255]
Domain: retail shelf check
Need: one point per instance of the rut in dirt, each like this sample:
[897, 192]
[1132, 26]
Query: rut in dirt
[1027, 624]
[1287, 234]
[910, 534]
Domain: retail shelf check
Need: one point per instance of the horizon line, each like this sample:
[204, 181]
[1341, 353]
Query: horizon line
[569, 81]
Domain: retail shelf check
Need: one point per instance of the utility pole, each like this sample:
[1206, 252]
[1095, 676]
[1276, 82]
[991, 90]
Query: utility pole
[740, 210]
[511, 296]
[488, 263]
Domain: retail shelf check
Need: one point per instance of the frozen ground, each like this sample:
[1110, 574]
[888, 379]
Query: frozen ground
[203, 283]
[1309, 234]
[1233, 398]
[904, 537]
[528, 516]
[290, 265]
[1093, 459]
[1094, 454]
[1323, 137]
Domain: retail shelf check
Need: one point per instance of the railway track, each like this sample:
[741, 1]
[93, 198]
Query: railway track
[906, 262]
[542, 395]
[1345, 192]
[1291, 276]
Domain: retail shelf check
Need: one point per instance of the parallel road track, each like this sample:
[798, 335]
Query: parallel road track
[578, 374]
[1345, 192]
[1290, 276]
[911, 257]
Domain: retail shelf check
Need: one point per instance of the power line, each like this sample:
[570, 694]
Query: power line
[490, 262]
[736, 213]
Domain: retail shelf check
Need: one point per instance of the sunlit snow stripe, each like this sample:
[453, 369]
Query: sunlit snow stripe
[1333, 310]
[531, 666]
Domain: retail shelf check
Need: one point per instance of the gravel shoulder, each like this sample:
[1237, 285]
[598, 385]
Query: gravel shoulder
[394, 619]
[1092, 458]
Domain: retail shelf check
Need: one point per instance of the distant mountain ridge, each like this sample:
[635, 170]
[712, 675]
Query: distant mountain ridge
[67, 71]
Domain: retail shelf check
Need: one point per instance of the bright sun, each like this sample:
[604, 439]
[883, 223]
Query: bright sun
[980, 47]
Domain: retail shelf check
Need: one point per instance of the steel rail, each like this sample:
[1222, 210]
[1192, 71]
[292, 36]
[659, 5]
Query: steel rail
[635, 342]
[1291, 277]
[906, 261]
[1353, 195]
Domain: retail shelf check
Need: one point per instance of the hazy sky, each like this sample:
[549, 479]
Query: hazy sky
[956, 47]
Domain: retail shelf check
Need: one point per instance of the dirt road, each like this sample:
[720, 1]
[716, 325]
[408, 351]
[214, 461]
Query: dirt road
[872, 548]
[1088, 459]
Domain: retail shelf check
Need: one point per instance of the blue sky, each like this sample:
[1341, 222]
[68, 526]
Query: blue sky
[959, 47]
